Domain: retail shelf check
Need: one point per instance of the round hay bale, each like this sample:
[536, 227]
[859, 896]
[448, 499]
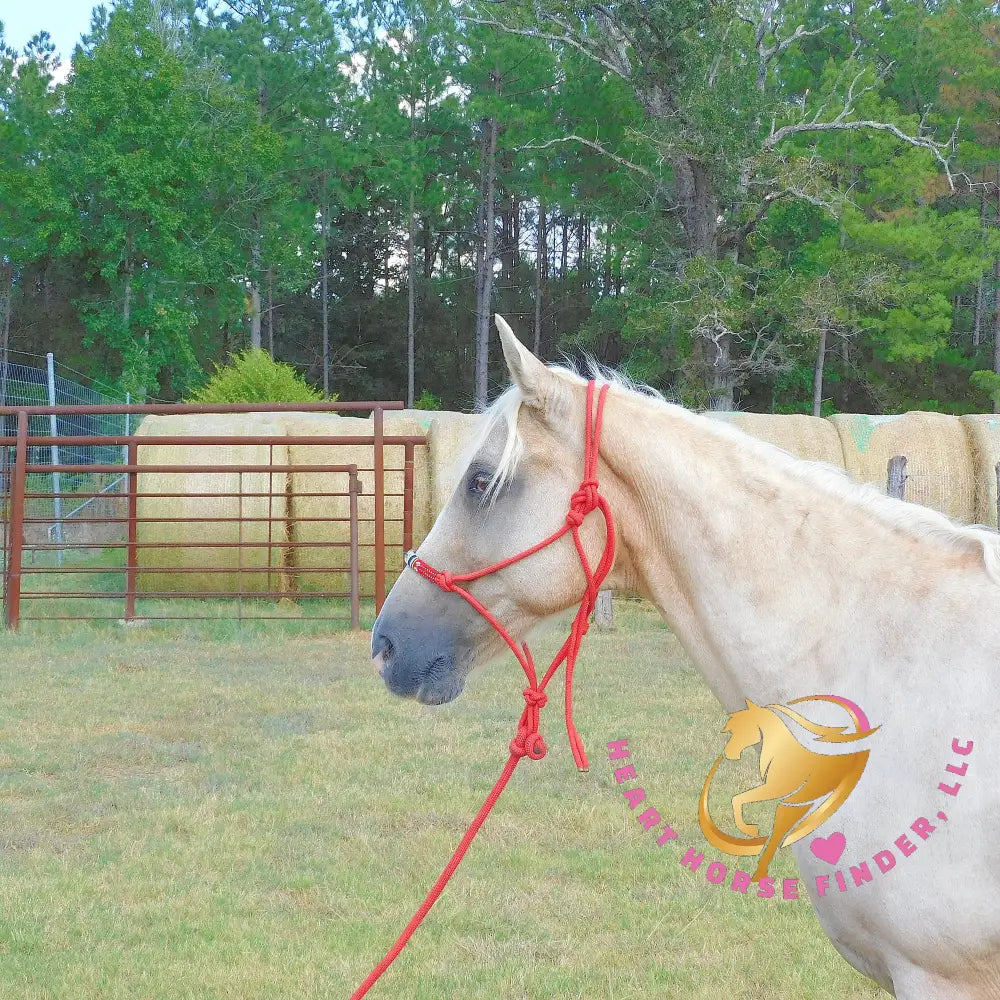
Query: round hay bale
[407, 422]
[321, 525]
[984, 437]
[801, 435]
[259, 498]
[936, 447]
[449, 439]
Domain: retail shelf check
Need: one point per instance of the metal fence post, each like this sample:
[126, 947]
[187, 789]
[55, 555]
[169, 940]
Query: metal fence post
[15, 524]
[379, 510]
[50, 366]
[128, 425]
[355, 489]
[132, 550]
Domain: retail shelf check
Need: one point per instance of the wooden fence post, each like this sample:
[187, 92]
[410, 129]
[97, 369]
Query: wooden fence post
[379, 474]
[604, 610]
[897, 477]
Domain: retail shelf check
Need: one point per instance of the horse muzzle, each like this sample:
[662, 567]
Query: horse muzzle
[419, 665]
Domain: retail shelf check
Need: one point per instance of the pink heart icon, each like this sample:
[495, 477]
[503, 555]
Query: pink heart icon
[829, 849]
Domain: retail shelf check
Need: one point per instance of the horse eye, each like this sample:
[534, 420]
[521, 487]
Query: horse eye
[479, 483]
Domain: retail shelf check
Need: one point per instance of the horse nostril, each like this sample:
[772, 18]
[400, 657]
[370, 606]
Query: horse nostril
[381, 645]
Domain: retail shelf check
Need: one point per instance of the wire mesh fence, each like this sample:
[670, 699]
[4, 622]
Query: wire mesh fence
[56, 500]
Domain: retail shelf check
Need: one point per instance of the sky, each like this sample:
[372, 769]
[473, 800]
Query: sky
[64, 20]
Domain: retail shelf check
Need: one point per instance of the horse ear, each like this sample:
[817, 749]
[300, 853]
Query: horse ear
[537, 384]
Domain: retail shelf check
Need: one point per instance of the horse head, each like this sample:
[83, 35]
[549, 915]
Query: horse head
[515, 490]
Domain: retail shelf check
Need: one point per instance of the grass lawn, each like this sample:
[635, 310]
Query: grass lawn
[186, 813]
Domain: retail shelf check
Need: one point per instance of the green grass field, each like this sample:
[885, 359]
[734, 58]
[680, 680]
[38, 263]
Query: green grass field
[189, 812]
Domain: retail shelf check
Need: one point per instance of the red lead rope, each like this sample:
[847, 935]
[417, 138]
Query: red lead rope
[528, 740]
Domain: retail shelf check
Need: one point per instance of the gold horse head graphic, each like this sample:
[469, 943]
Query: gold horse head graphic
[809, 786]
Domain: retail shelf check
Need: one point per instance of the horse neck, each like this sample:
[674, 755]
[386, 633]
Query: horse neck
[776, 586]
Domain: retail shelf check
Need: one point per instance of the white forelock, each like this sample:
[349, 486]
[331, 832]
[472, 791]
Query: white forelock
[504, 410]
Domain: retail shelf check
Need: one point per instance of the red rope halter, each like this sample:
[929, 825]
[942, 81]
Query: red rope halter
[528, 741]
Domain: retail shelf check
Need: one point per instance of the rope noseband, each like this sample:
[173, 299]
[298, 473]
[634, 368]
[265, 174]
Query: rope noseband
[527, 741]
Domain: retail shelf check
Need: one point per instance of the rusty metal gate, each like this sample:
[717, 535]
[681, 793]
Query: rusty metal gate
[104, 540]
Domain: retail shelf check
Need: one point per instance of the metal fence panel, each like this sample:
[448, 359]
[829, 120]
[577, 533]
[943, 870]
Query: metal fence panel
[39, 583]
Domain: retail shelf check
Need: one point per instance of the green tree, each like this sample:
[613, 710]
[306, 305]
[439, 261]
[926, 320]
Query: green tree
[27, 101]
[733, 116]
[281, 57]
[136, 194]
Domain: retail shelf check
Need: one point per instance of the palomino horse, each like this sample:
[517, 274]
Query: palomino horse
[808, 786]
[782, 579]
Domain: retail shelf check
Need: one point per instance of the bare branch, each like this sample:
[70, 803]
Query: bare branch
[613, 25]
[800, 32]
[736, 236]
[768, 53]
[837, 125]
[566, 37]
[620, 160]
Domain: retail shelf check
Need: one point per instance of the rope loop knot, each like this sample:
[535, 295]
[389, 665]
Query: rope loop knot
[535, 698]
[528, 744]
[582, 502]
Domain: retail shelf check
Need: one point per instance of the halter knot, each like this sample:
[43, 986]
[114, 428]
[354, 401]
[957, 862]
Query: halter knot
[583, 501]
[528, 744]
[535, 698]
[446, 581]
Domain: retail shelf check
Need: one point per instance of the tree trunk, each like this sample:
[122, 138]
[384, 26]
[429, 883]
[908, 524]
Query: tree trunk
[127, 297]
[325, 293]
[699, 215]
[977, 318]
[996, 330]
[6, 309]
[541, 261]
[720, 372]
[486, 254]
[506, 212]
[565, 248]
[255, 254]
[430, 249]
[699, 207]
[411, 293]
[515, 243]
[270, 313]
[818, 373]
[256, 228]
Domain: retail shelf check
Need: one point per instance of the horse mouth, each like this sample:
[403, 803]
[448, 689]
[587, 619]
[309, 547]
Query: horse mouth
[442, 683]
[437, 684]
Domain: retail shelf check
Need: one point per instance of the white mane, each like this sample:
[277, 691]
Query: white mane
[921, 522]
